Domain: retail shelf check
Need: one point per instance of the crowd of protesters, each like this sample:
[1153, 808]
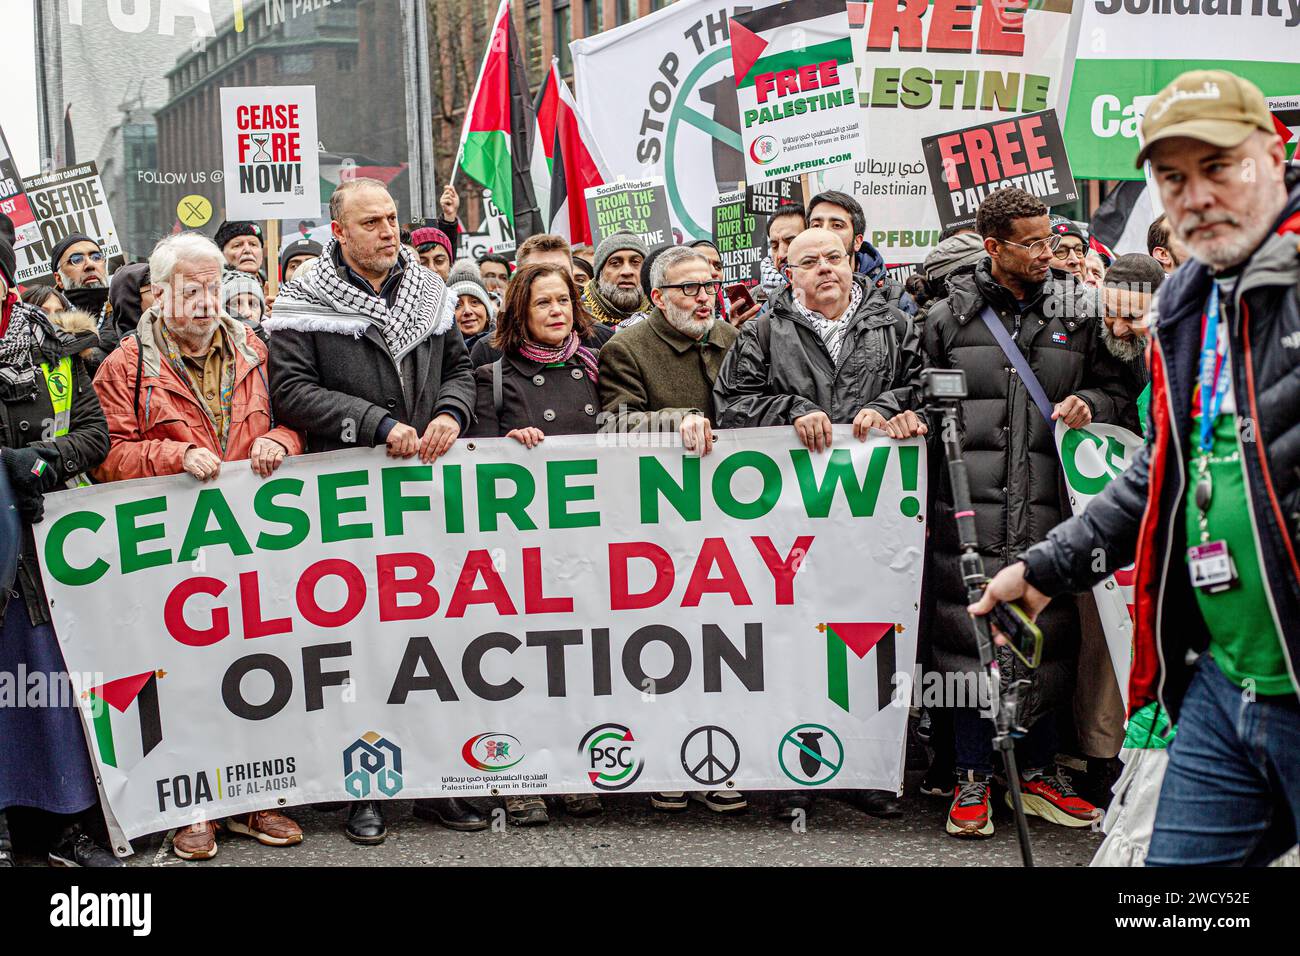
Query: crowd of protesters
[381, 338]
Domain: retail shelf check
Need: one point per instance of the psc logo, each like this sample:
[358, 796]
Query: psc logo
[611, 755]
[492, 751]
[372, 762]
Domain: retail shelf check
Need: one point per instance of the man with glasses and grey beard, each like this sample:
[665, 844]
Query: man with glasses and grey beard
[1126, 295]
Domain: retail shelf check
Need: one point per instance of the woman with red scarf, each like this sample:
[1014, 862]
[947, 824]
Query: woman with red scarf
[543, 384]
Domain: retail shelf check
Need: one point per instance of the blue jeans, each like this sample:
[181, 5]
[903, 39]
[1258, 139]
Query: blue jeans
[1036, 750]
[1231, 794]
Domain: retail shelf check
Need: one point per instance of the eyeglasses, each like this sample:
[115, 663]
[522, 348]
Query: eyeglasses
[1064, 252]
[692, 289]
[77, 258]
[1036, 247]
[833, 259]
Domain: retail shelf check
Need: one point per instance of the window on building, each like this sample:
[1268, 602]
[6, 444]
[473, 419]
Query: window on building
[296, 63]
[624, 11]
[659, 4]
[533, 38]
[592, 17]
[563, 33]
[346, 61]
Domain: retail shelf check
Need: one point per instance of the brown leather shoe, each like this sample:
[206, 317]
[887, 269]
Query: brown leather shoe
[266, 827]
[197, 842]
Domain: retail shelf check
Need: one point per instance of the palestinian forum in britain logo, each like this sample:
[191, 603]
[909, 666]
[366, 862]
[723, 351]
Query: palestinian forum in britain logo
[611, 754]
[810, 754]
[372, 762]
[492, 751]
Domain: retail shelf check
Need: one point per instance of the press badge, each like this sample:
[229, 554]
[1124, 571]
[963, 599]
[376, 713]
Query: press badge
[1210, 566]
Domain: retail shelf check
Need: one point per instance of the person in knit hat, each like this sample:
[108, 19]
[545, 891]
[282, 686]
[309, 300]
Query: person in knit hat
[295, 254]
[1073, 248]
[78, 262]
[242, 299]
[616, 293]
[435, 249]
[476, 313]
[241, 244]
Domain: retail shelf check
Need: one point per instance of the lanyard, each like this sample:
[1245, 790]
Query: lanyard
[1214, 384]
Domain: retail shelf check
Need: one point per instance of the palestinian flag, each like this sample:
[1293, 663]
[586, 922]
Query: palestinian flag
[496, 141]
[1286, 120]
[576, 167]
[861, 639]
[545, 107]
[126, 719]
[773, 38]
[1121, 221]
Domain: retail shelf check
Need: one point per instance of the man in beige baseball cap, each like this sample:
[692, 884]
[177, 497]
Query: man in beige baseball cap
[1209, 509]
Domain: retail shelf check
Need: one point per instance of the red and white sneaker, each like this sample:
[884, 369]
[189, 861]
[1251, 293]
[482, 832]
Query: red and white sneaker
[971, 813]
[1054, 798]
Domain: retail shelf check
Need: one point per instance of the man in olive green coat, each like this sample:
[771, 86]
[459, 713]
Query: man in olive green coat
[657, 375]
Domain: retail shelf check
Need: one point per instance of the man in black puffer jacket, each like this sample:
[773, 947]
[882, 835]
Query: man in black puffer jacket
[1211, 512]
[1015, 476]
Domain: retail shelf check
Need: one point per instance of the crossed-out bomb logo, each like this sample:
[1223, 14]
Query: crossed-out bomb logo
[612, 761]
[372, 763]
[492, 751]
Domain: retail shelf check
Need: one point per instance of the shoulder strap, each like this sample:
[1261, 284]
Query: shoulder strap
[1018, 362]
[498, 399]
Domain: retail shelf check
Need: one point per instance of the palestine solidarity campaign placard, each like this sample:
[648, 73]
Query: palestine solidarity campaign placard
[794, 86]
[967, 165]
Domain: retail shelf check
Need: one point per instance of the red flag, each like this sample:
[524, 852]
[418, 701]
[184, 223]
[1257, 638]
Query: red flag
[576, 166]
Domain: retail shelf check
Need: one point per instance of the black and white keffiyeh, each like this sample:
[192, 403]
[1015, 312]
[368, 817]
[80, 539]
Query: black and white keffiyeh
[318, 299]
[832, 330]
[25, 335]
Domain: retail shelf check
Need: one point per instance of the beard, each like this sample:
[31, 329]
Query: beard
[82, 282]
[684, 321]
[1233, 248]
[625, 300]
[378, 263]
[1126, 350]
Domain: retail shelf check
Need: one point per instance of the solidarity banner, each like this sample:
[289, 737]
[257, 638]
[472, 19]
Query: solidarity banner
[793, 66]
[593, 615]
[969, 164]
[640, 207]
[1131, 49]
[270, 152]
[926, 69]
[66, 202]
[740, 238]
[1093, 457]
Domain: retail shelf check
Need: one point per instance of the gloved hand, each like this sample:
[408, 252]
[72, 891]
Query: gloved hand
[30, 474]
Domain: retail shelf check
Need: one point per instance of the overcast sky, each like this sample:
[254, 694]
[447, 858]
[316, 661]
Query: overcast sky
[18, 80]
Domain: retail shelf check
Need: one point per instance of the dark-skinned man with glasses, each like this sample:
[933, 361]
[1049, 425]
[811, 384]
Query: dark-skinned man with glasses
[833, 351]
[1013, 303]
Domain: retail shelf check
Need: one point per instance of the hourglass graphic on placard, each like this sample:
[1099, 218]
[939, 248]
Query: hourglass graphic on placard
[260, 141]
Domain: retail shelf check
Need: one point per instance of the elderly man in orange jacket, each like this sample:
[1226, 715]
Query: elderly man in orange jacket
[188, 392]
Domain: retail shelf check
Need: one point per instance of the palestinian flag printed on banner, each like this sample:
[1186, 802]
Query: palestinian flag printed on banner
[126, 719]
[878, 639]
[496, 141]
[795, 88]
[576, 166]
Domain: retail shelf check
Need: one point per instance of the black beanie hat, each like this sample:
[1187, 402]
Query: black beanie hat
[233, 230]
[299, 247]
[60, 248]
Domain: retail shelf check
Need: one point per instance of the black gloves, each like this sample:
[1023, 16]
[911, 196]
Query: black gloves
[31, 476]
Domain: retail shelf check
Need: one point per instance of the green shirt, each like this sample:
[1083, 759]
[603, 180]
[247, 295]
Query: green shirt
[1244, 641]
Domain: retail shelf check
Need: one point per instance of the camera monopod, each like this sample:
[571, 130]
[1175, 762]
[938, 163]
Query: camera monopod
[943, 390]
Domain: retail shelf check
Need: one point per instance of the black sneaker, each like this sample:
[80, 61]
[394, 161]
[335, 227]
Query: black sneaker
[938, 782]
[720, 801]
[76, 848]
[791, 803]
[669, 801]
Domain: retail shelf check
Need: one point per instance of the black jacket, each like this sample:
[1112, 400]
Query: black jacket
[1140, 514]
[1009, 448]
[559, 401]
[22, 414]
[779, 369]
[336, 389]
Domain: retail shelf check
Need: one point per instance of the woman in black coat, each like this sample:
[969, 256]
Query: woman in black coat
[52, 430]
[545, 381]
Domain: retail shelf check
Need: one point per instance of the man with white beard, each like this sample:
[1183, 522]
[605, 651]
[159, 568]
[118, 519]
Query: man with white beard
[1126, 295]
[615, 294]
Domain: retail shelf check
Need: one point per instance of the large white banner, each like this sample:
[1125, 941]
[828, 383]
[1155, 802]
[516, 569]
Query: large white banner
[659, 95]
[588, 616]
[1093, 457]
[1129, 50]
